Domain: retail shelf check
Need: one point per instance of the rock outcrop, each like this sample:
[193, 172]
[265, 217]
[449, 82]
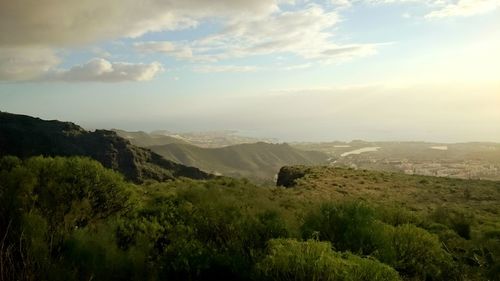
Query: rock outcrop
[288, 175]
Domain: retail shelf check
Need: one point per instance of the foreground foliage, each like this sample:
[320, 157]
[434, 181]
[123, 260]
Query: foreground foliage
[311, 260]
[72, 219]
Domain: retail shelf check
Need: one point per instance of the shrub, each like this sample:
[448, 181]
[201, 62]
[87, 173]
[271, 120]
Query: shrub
[349, 226]
[457, 220]
[94, 254]
[489, 253]
[68, 192]
[419, 254]
[43, 201]
[289, 259]
[394, 215]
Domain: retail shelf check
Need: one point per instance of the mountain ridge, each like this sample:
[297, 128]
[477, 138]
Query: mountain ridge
[25, 136]
[259, 161]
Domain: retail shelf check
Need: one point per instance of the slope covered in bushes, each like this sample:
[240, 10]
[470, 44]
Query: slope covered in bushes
[259, 161]
[73, 219]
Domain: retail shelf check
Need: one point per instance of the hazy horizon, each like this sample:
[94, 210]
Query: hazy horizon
[292, 70]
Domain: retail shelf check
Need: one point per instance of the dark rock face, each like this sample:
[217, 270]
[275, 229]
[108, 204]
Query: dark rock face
[288, 175]
[25, 136]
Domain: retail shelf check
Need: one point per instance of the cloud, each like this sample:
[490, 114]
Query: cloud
[342, 3]
[307, 33]
[39, 64]
[249, 28]
[464, 8]
[297, 66]
[224, 68]
[176, 50]
[101, 70]
[438, 8]
[19, 64]
[31, 30]
[74, 22]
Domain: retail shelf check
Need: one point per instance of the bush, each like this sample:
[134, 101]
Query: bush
[68, 192]
[44, 200]
[94, 254]
[289, 259]
[488, 253]
[71, 219]
[419, 254]
[349, 226]
[394, 215]
[457, 220]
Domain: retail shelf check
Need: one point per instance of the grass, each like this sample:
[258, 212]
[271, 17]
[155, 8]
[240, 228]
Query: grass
[422, 194]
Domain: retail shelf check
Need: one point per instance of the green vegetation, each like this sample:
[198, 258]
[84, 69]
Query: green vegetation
[448, 201]
[312, 260]
[73, 219]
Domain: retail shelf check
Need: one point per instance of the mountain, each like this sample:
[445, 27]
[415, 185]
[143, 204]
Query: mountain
[26, 136]
[210, 139]
[257, 161]
[144, 139]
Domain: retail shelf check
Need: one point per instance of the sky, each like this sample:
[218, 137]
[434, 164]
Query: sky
[292, 70]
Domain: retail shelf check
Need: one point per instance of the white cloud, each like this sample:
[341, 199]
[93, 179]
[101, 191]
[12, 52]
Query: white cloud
[18, 64]
[307, 33]
[297, 66]
[39, 64]
[438, 8]
[224, 68]
[464, 8]
[341, 3]
[101, 70]
[176, 50]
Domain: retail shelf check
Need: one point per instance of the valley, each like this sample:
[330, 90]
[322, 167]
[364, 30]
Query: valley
[460, 160]
[260, 161]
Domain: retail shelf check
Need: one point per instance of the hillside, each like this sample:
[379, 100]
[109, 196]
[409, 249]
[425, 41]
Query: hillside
[25, 136]
[84, 222]
[418, 193]
[258, 161]
[210, 139]
[144, 139]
